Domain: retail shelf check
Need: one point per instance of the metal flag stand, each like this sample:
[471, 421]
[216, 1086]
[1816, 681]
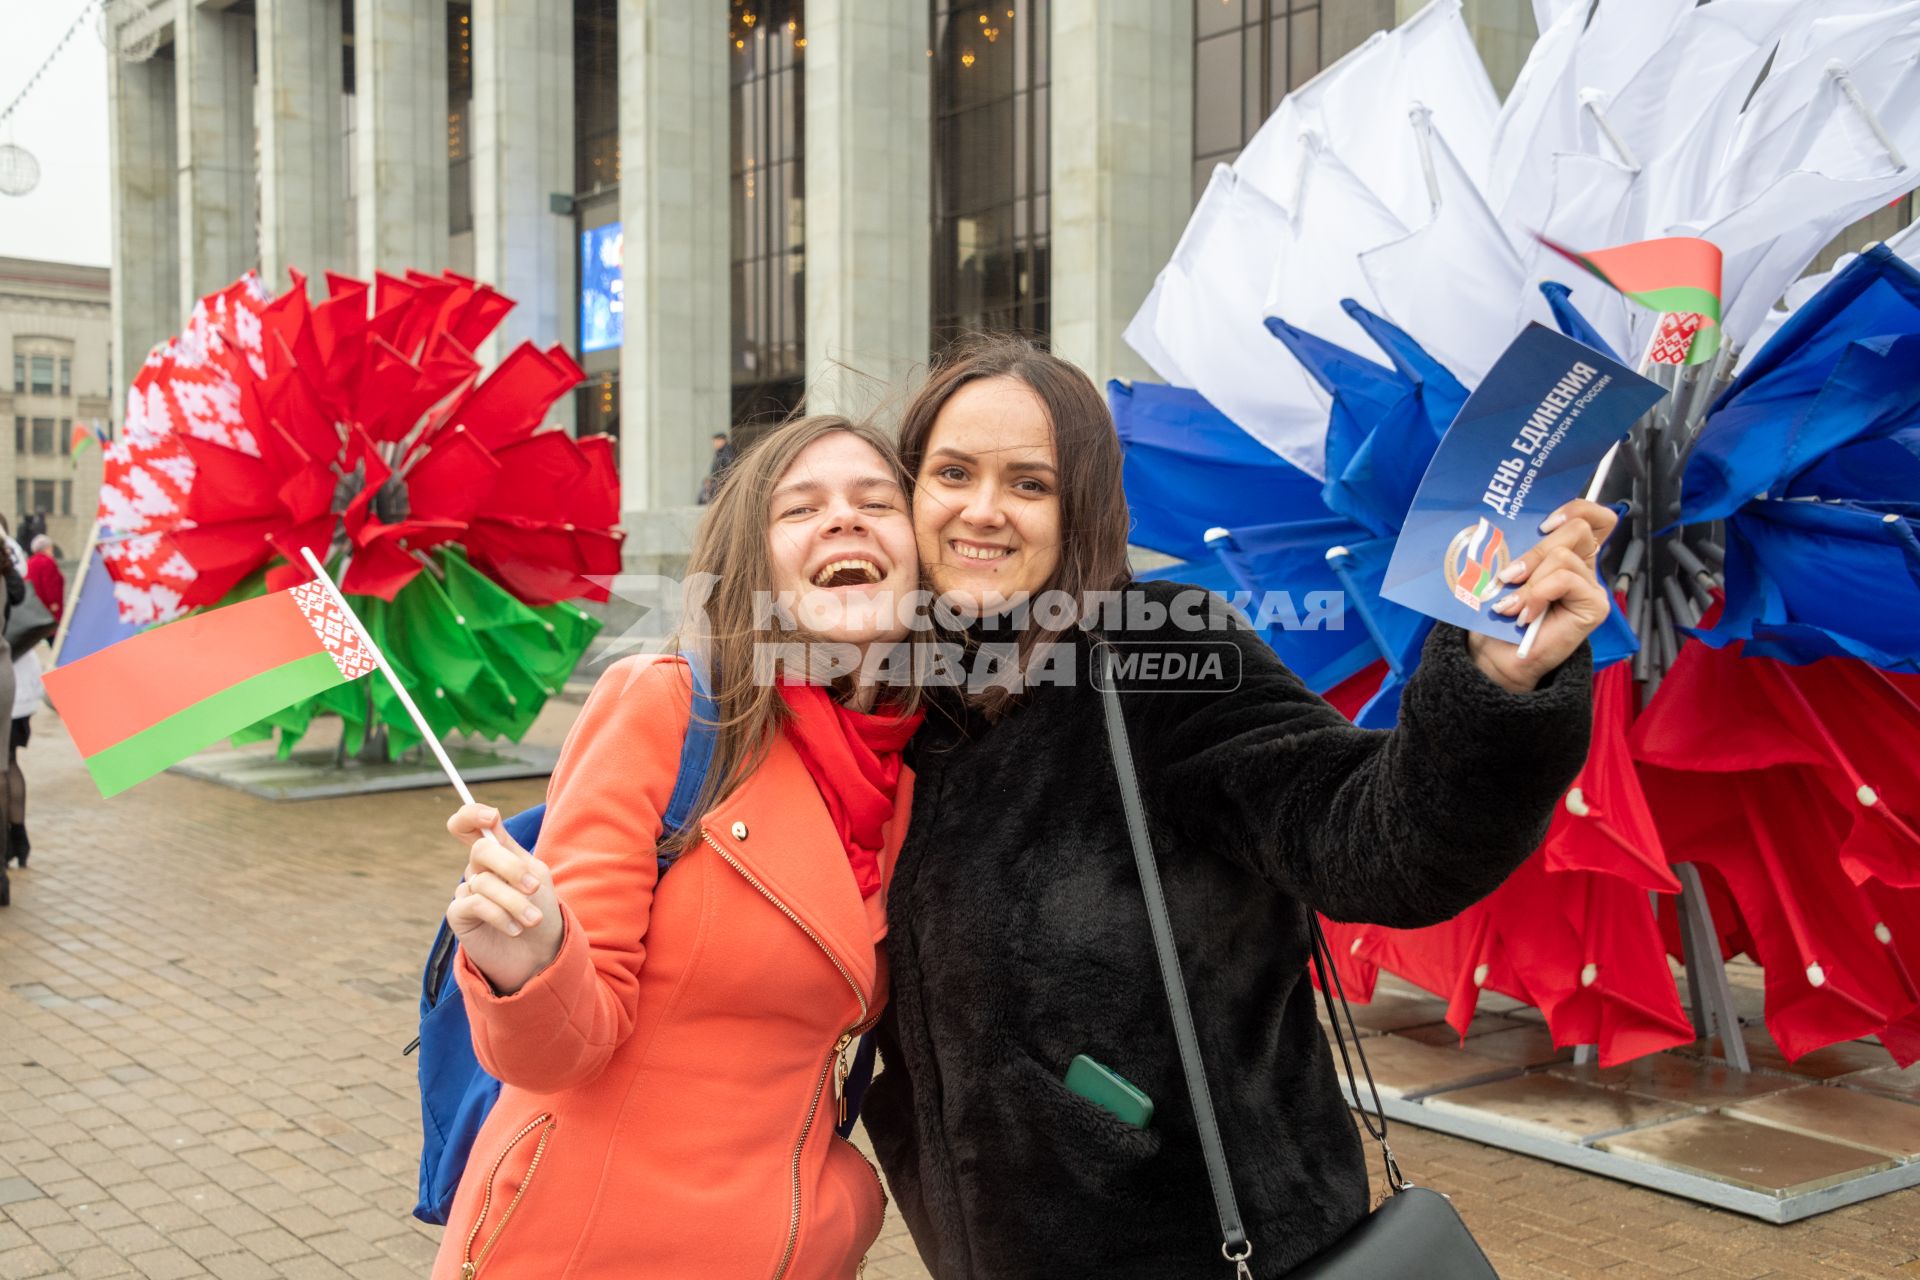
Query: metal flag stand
[1668, 573]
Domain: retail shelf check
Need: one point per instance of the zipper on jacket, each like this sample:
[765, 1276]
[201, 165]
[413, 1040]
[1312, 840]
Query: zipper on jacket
[836, 1058]
[471, 1264]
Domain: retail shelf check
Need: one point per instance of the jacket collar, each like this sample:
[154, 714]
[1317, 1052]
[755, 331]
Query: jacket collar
[775, 829]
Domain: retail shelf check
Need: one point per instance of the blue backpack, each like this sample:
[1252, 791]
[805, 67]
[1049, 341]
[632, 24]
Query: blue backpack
[456, 1093]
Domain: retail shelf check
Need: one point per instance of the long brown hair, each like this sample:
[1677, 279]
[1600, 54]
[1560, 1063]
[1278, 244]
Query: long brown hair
[726, 629]
[1086, 448]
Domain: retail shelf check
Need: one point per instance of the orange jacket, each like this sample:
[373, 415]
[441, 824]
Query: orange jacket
[671, 1079]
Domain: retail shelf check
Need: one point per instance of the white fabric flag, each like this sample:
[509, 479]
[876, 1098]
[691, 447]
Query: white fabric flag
[1452, 283]
[1359, 107]
[1592, 204]
[1678, 112]
[1316, 261]
[1789, 119]
[1770, 240]
[1139, 336]
[1206, 322]
[1544, 117]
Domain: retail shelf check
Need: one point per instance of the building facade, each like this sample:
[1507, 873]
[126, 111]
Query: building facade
[724, 208]
[55, 327]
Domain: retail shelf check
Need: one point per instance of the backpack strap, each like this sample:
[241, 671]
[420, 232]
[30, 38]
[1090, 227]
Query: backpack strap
[696, 752]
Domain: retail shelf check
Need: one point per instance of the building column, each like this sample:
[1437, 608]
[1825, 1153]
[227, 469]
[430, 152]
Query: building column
[869, 201]
[1122, 144]
[145, 287]
[303, 223]
[213, 73]
[523, 155]
[674, 105]
[400, 110]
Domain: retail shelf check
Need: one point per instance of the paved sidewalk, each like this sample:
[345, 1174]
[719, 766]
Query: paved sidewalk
[203, 999]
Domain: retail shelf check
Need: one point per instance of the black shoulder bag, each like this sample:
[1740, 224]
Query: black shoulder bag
[1416, 1232]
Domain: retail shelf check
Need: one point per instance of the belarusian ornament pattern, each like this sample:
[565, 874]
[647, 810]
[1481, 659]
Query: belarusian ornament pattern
[337, 635]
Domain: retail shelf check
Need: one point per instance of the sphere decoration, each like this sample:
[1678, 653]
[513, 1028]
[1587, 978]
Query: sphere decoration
[19, 171]
[462, 529]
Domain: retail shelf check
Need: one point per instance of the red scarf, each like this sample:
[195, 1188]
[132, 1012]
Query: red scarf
[855, 762]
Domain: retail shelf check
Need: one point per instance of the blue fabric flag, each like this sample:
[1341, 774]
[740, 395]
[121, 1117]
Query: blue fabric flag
[1842, 369]
[93, 616]
[1571, 322]
[1188, 469]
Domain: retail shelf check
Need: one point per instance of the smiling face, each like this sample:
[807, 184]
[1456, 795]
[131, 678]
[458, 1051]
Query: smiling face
[841, 542]
[987, 500]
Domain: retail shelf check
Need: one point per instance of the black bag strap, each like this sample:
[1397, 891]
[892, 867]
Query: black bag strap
[1235, 1246]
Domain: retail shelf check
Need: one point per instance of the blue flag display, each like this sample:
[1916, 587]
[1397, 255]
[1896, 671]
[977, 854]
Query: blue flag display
[1527, 440]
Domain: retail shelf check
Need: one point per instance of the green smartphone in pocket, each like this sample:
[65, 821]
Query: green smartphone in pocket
[1105, 1087]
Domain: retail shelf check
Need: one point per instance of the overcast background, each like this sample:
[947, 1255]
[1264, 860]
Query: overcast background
[63, 122]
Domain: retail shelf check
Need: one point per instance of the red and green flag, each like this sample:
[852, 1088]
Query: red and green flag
[1678, 276]
[140, 706]
[85, 436]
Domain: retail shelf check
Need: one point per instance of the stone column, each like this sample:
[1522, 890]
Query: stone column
[145, 288]
[523, 154]
[869, 197]
[674, 105]
[302, 149]
[213, 75]
[400, 108]
[1122, 143]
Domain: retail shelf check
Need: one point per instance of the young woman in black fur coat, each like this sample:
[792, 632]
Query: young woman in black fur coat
[1018, 934]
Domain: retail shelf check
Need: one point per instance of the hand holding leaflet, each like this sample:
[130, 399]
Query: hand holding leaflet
[1524, 444]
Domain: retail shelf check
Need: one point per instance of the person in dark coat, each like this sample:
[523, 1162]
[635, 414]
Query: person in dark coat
[1018, 936]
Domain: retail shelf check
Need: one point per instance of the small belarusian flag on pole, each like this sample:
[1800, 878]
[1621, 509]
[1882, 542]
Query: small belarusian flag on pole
[1678, 276]
[85, 436]
[139, 707]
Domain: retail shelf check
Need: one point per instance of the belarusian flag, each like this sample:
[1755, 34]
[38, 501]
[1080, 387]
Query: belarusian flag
[137, 707]
[1678, 274]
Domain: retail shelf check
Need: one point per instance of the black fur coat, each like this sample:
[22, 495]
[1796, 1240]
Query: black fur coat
[1018, 939]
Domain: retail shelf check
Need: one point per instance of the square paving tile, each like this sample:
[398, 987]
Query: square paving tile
[1883, 1125]
[1894, 1082]
[1403, 1067]
[1521, 1045]
[1392, 1012]
[1440, 1033]
[1555, 1108]
[1680, 1079]
[1755, 1156]
[1822, 1064]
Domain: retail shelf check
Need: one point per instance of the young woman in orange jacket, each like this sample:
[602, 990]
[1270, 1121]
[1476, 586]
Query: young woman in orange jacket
[671, 1050]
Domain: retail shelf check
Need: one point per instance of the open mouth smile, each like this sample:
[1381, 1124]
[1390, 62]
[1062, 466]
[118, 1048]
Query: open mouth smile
[848, 571]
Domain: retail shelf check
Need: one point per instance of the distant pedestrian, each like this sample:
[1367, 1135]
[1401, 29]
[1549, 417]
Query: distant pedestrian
[16, 588]
[724, 455]
[43, 572]
[28, 697]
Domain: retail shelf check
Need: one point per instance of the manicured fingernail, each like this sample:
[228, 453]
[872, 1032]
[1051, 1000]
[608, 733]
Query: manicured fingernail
[1514, 572]
[1553, 522]
[1506, 604]
[1526, 616]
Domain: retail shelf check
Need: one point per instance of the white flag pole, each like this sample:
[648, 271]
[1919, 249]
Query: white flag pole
[1593, 495]
[380, 659]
